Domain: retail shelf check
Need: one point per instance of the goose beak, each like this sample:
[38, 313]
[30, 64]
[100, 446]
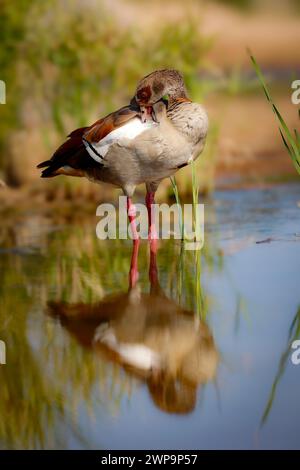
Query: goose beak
[147, 114]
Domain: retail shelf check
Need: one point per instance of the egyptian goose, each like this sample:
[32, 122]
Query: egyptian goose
[160, 131]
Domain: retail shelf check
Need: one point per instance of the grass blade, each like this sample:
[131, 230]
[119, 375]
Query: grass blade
[177, 198]
[291, 142]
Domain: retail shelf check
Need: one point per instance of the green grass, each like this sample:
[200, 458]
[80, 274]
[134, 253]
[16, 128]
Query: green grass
[290, 138]
[195, 193]
[200, 304]
[294, 334]
[179, 206]
[195, 198]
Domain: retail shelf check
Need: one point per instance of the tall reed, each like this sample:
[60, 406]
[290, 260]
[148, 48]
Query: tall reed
[198, 293]
[290, 138]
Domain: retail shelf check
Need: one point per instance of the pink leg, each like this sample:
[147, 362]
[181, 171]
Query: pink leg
[133, 273]
[151, 218]
[131, 216]
[153, 276]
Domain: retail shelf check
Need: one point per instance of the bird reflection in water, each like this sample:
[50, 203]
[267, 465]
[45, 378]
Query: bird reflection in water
[150, 335]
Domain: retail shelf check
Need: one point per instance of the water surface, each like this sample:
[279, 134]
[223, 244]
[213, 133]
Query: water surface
[195, 355]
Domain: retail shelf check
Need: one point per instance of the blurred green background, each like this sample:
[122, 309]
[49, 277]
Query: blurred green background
[68, 62]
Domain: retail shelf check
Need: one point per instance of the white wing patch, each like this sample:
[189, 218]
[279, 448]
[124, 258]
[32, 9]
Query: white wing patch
[134, 354]
[98, 150]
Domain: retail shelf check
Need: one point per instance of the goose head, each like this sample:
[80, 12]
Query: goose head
[162, 85]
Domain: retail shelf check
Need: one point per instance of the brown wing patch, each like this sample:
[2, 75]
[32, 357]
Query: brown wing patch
[111, 122]
[72, 158]
[78, 132]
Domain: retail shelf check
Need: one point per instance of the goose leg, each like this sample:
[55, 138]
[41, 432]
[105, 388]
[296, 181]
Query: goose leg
[152, 234]
[131, 211]
[153, 274]
[133, 273]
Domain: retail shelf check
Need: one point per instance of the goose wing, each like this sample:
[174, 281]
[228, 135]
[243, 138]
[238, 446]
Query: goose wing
[87, 146]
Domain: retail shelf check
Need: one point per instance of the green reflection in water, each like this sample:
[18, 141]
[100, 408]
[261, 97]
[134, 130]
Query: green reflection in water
[294, 333]
[56, 284]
